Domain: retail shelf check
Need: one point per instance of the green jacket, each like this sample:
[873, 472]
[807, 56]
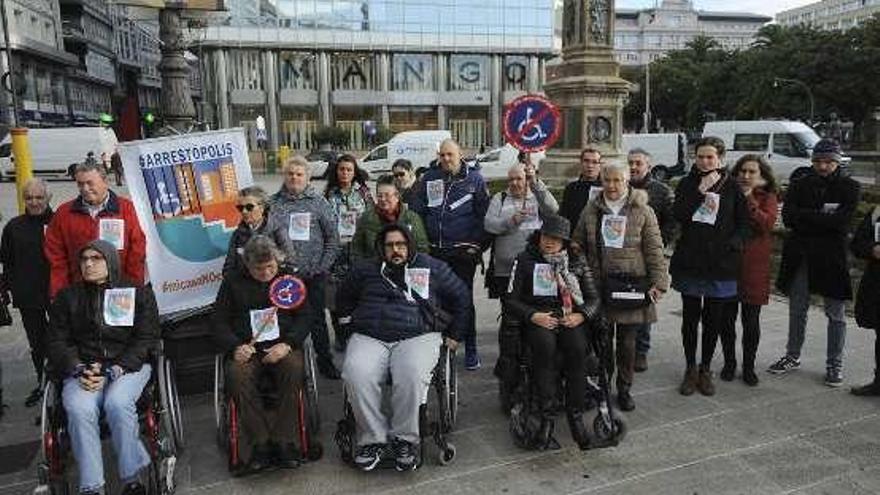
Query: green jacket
[369, 225]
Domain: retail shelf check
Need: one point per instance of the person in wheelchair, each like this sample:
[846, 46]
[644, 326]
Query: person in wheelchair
[387, 307]
[263, 332]
[553, 293]
[102, 332]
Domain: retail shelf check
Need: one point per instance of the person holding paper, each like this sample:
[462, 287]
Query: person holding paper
[263, 337]
[866, 245]
[350, 199]
[817, 211]
[714, 219]
[97, 213]
[622, 240]
[385, 310]
[102, 332]
[553, 293]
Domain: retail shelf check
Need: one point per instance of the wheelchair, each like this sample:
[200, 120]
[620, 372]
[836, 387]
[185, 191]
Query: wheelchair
[518, 399]
[161, 428]
[226, 412]
[444, 382]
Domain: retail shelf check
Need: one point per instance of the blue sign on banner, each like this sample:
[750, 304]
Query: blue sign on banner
[532, 123]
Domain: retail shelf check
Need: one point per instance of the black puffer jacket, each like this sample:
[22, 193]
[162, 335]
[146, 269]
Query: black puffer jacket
[77, 330]
[703, 251]
[521, 301]
[380, 310]
[868, 297]
[660, 199]
[817, 236]
[239, 294]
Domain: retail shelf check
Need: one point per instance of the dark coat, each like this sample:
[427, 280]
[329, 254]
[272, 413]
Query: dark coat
[703, 251]
[239, 294]
[521, 301]
[575, 198]
[660, 199]
[754, 275]
[243, 233]
[816, 238]
[78, 333]
[868, 297]
[459, 218]
[381, 311]
[25, 268]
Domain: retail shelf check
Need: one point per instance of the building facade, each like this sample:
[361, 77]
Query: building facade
[416, 64]
[642, 36]
[830, 14]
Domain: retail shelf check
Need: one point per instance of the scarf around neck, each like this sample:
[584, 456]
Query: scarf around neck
[564, 277]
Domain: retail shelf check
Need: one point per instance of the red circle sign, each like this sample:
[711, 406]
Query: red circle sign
[532, 123]
[287, 292]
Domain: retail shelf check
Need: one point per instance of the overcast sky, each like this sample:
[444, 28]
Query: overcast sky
[767, 7]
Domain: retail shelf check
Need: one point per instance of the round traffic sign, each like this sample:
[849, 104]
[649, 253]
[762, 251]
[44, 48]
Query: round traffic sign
[287, 292]
[532, 123]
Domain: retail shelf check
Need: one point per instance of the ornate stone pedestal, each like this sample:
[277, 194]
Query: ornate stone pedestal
[587, 88]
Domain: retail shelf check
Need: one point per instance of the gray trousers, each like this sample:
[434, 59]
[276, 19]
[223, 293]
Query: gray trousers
[368, 363]
[798, 305]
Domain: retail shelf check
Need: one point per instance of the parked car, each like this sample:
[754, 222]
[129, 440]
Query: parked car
[668, 152]
[495, 163]
[318, 162]
[54, 149]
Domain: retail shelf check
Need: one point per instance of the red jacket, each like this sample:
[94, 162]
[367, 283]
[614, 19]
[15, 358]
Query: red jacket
[754, 274]
[72, 228]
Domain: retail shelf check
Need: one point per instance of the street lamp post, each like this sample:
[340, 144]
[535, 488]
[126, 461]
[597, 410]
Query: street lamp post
[798, 82]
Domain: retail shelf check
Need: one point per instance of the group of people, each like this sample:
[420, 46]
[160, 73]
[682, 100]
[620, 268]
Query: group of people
[395, 269]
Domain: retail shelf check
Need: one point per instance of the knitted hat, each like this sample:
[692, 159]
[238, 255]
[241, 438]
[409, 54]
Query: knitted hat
[556, 226]
[827, 149]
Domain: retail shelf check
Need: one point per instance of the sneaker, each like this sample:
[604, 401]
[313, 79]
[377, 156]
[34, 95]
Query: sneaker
[784, 365]
[405, 455]
[134, 488]
[472, 360]
[834, 377]
[369, 456]
[641, 363]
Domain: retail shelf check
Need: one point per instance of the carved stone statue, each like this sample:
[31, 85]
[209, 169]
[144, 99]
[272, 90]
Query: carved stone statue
[599, 32]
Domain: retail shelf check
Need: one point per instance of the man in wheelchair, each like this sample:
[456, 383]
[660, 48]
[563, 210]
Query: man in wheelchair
[261, 322]
[102, 331]
[399, 306]
[553, 294]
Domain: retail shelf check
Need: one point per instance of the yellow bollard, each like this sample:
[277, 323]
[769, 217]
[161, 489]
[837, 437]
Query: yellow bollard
[24, 167]
[283, 155]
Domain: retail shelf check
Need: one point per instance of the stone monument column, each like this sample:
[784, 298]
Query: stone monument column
[587, 88]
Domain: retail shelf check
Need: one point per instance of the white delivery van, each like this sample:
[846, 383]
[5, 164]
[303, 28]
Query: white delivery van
[419, 147]
[787, 145]
[495, 163]
[668, 152]
[55, 149]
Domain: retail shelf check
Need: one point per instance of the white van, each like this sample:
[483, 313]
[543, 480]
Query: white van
[55, 149]
[787, 145]
[668, 152]
[495, 163]
[419, 147]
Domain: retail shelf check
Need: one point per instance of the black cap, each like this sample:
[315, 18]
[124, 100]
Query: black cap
[556, 226]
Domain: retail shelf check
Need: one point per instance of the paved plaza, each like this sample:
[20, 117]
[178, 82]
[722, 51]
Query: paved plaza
[790, 435]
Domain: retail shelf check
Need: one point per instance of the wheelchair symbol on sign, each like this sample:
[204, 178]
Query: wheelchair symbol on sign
[536, 133]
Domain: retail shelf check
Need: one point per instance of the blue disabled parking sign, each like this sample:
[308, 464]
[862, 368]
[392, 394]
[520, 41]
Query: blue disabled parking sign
[532, 123]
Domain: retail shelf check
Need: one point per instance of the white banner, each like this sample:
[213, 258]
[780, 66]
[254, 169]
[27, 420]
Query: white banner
[184, 189]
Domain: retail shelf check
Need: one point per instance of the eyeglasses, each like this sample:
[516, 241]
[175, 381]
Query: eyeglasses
[246, 207]
[93, 258]
[399, 174]
[396, 245]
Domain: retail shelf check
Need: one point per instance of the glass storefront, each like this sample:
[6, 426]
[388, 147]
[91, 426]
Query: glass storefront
[413, 118]
[353, 120]
[297, 70]
[245, 69]
[246, 117]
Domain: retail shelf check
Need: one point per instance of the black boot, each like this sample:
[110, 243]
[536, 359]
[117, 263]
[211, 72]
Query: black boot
[869, 390]
[544, 439]
[578, 430]
[624, 399]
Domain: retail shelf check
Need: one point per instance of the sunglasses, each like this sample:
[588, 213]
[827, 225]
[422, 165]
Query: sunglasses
[93, 258]
[400, 174]
[246, 207]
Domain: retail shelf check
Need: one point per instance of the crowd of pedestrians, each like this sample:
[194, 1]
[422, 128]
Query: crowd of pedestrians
[381, 262]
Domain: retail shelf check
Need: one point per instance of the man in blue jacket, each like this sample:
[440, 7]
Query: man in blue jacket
[452, 200]
[391, 337]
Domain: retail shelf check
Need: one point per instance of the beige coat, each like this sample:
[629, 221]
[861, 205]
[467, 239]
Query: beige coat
[641, 254]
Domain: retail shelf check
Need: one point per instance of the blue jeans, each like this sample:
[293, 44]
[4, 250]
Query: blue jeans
[118, 400]
[798, 305]
[643, 339]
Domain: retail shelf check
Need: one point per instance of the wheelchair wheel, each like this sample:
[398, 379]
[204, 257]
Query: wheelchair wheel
[609, 429]
[51, 471]
[345, 431]
[220, 413]
[449, 394]
[311, 389]
[170, 402]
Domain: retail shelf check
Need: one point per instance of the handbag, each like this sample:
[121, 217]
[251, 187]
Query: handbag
[621, 291]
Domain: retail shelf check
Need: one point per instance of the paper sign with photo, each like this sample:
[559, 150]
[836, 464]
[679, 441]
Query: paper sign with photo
[830, 207]
[708, 211]
[532, 220]
[264, 324]
[347, 223]
[435, 192]
[613, 230]
[419, 281]
[300, 226]
[119, 307]
[595, 191]
[544, 280]
[112, 230]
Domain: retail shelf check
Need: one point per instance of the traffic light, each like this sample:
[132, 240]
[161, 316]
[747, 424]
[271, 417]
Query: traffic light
[149, 118]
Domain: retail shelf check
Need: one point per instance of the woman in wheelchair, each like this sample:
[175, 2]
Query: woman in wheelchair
[552, 292]
[102, 331]
[386, 306]
[263, 330]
